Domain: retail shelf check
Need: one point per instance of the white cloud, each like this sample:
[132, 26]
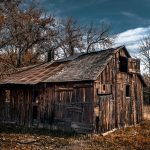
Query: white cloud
[131, 38]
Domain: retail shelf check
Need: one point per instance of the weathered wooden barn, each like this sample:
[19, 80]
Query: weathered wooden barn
[96, 91]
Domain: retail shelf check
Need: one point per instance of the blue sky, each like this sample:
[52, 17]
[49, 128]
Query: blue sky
[126, 17]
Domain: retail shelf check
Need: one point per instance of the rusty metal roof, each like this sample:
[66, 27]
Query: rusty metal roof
[76, 68]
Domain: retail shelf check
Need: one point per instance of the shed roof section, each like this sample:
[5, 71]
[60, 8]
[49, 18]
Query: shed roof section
[78, 68]
[85, 67]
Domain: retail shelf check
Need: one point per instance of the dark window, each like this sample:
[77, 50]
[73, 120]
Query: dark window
[123, 64]
[127, 90]
[104, 87]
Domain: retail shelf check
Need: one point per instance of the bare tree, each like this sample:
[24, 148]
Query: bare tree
[145, 53]
[97, 37]
[84, 38]
[70, 36]
[52, 45]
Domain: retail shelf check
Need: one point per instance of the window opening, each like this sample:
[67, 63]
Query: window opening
[123, 64]
[127, 90]
[104, 87]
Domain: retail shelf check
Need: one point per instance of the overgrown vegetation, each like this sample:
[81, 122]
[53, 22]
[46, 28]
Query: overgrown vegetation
[15, 137]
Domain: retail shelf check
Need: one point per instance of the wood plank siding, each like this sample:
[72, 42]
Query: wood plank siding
[46, 104]
[94, 92]
[118, 95]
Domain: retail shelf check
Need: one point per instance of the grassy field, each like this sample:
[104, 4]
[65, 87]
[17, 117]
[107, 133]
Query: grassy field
[19, 138]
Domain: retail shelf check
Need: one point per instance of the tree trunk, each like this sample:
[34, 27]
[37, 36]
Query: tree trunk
[71, 50]
[19, 59]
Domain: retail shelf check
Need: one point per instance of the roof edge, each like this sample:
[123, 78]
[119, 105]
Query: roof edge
[124, 48]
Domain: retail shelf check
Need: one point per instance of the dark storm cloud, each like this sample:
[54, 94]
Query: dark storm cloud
[121, 14]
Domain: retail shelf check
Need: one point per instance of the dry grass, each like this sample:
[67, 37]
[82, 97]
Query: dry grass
[130, 138]
[146, 112]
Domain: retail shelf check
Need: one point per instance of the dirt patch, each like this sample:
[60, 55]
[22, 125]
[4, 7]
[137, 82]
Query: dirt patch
[130, 138]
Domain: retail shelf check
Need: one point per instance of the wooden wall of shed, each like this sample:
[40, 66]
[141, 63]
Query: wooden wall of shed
[103, 103]
[105, 99]
[139, 102]
[128, 108]
[111, 104]
[66, 102]
[61, 102]
[17, 109]
[2, 105]
[23, 99]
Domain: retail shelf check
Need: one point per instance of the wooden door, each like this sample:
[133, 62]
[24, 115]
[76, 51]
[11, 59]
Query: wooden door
[106, 116]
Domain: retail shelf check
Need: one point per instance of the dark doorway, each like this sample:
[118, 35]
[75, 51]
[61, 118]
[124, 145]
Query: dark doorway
[35, 112]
